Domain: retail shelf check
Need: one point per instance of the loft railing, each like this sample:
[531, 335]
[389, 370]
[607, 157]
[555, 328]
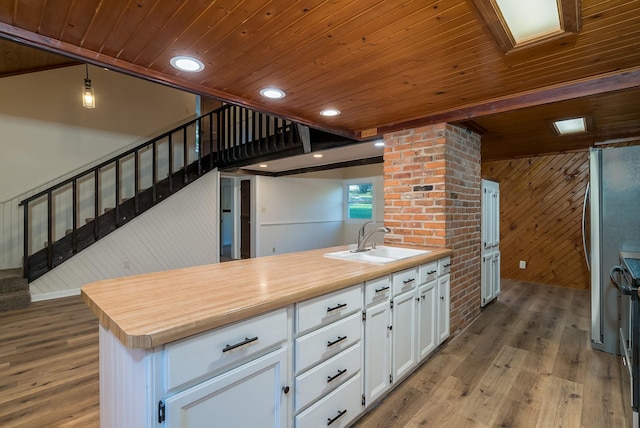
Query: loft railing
[73, 214]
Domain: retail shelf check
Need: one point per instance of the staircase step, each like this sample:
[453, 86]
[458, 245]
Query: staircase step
[12, 282]
[14, 300]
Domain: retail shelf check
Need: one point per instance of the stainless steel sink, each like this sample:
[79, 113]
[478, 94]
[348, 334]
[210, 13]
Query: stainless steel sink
[380, 255]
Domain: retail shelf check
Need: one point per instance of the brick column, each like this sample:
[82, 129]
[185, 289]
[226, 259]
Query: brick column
[432, 198]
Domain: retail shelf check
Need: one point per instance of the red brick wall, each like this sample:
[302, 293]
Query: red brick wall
[432, 198]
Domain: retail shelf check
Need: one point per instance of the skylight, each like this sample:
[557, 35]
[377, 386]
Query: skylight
[570, 126]
[529, 20]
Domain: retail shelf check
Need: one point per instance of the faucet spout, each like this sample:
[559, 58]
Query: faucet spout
[362, 241]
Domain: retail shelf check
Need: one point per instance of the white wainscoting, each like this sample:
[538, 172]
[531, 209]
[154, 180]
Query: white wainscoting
[179, 232]
[280, 238]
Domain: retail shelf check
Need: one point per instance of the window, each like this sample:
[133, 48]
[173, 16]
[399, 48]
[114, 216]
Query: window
[359, 197]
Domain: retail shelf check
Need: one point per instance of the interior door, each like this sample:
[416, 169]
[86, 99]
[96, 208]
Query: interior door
[226, 218]
[245, 219]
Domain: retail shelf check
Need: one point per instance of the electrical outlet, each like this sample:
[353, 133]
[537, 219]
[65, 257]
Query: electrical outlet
[523, 264]
[273, 250]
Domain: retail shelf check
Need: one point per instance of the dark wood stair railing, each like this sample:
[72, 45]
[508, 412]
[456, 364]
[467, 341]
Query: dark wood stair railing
[141, 177]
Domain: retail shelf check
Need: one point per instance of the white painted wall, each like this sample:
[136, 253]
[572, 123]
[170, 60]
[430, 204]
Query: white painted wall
[48, 138]
[179, 232]
[306, 211]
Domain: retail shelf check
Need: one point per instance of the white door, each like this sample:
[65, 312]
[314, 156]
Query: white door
[377, 354]
[427, 319]
[490, 266]
[249, 396]
[403, 333]
[443, 307]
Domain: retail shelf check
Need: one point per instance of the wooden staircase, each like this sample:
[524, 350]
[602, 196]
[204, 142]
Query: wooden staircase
[14, 290]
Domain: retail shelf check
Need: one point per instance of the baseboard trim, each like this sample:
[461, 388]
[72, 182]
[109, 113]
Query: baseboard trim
[55, 295]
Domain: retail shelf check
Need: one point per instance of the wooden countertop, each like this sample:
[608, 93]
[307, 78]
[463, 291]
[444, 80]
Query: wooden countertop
[149, 310]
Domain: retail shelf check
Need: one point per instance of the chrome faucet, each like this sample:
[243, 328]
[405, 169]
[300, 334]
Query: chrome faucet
[363, 238]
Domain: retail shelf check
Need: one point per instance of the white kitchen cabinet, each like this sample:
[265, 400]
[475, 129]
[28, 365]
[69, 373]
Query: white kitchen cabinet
[490, 252]
[427, 319]
[262, 385]
[403, 334]
[377, 354]
[328, 359]
[444, 285]
[490, 276]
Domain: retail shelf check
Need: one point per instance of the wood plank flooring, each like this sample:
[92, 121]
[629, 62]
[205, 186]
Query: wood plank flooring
[526, 362]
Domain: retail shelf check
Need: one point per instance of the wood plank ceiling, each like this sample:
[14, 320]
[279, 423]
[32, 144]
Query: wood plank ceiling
[386, 65]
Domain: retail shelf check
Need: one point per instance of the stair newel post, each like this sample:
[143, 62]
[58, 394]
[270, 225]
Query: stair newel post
[50, 229]
[199, 145]
[185, 153]
[117, 183]
[170, 144]
[211, 140]
[260, 119]
[136, 181]
[25, 237]
[154, 175]
[74, 233]
[96, 204]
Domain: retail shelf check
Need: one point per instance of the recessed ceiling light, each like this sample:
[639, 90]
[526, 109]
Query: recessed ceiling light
[379, 144]
[330, 112]
[570, 126]
[273, 93]
[186, 63]
[530, 19]
[263, 165]
[317, 155]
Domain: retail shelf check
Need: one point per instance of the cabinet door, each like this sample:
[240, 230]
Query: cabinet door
[377, 354]
[496, 275]
[427, 319]
[486, 279]
[248, 396]
[443, 308]
[403, 334]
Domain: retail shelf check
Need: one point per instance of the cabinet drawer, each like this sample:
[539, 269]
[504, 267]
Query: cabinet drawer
[444, 266]
[404, 280]
[327, 308]
[428, 272]
[327, 341]
[327, 376]
[377, 290]
[196, 356]
[337, 409]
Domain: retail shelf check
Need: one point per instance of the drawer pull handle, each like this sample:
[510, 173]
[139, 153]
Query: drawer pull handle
[340, 414]
[338, 340]
[407, 281]
[336, 376]
[447, 265]
[431, 272]
[246, 341]
[341, 305]
[379, 290]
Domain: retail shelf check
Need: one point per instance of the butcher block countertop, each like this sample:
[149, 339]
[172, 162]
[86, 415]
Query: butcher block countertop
[153, 309]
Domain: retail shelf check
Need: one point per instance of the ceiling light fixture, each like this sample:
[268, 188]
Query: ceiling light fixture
[88, 96]
[187, 63]
[273, 93]
[570, 126]
[317, 155]
[263, 165]
[379, 144]
[330, 112]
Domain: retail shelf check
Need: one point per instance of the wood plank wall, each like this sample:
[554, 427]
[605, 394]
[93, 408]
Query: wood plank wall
[541, 201]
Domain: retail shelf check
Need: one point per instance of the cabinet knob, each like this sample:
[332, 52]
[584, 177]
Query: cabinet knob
[285, 389]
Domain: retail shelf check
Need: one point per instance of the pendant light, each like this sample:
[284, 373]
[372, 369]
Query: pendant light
[88, 97]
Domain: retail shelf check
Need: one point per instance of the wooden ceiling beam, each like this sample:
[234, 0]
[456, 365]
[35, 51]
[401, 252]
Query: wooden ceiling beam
[616, 81]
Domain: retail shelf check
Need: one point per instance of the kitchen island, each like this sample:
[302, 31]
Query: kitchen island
[181, 345]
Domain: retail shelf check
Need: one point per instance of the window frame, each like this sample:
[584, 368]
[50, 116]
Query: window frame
[358, 181]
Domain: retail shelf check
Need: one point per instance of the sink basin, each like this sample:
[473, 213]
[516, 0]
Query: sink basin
[379, 255]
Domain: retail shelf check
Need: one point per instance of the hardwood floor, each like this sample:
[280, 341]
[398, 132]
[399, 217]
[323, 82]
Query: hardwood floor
[526, 362]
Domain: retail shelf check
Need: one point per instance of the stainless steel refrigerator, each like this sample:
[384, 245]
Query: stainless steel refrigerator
[614, 227]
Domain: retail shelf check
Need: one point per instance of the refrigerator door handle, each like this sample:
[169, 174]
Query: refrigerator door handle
[584, 226]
